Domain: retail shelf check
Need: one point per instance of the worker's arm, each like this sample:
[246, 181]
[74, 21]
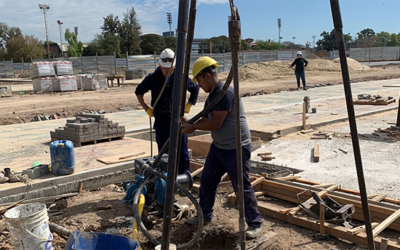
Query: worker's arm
[305, 63]
[293, 63]
[142, 89]
[206, 124]
[142, 102]
[194, 91]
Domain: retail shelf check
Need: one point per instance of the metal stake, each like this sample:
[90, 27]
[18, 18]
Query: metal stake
[337, 20]
[175, 130]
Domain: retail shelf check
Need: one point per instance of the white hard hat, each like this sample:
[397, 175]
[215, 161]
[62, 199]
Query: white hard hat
[299, 53]
[166, 58]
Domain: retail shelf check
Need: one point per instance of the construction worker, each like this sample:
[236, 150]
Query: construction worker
[162, 111]
[221, 158]
[301, 63]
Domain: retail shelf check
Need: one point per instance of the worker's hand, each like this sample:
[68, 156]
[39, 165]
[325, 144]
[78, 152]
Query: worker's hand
[187, 128]
[187, 107]
[184, 119]
[150, 112]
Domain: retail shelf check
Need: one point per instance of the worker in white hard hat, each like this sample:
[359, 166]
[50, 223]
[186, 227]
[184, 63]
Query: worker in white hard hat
[301, 63]
[221, 157]
[162, 111]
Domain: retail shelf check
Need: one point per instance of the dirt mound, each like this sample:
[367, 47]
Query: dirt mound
[353, 64]
[272, 70]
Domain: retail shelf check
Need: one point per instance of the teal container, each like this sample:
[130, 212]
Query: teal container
[62, 157]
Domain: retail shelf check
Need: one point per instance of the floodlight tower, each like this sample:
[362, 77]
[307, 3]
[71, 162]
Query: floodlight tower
[44, 8]
[59, 25]
[294, 45]
[279, 26]
[76, 32]
[313, 41]
[169, 19]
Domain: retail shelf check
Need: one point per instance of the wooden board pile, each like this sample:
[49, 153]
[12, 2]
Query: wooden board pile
[88, 128]
[393, 132]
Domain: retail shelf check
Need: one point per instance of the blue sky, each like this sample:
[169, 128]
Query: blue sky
[301, 18]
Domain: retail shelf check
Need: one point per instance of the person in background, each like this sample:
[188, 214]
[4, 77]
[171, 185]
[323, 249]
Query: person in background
[300, 63]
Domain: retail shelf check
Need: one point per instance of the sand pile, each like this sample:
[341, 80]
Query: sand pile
[274, 69]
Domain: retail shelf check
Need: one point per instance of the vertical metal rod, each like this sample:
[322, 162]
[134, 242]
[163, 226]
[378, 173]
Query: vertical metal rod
[235, 39]
[338, 25]
[155, 60]
[127, 61]
[398, 116]
[115, 63]
[175, 124]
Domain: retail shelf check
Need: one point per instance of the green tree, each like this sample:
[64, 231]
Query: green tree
[329, 43]
[171, 42]
[103, 45]
[111, 25]
[382, 38]
[244, 45]
[394, 40]
[266, 45]
[219, 45]
[152, 43]
[75, 48]
[7, 33]
[130, 32]
[24, 47]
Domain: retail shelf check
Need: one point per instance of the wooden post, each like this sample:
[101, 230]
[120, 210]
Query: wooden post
[321, 218]
[398, 116]
[304, 116]
[316, 153]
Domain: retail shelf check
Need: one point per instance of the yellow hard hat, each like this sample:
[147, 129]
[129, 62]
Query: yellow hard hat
[202, 63]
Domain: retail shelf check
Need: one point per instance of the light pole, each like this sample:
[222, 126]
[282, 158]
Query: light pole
[44, 8]
[59, 25]
[313, 41]
[76, 32]
[294, 45]
[279, 26]
[169, 19]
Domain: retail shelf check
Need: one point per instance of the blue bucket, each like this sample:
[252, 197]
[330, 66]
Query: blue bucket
[99, 241]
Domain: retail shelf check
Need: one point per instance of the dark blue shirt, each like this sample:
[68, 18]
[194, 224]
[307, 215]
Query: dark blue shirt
[155, 82]
[300, 63]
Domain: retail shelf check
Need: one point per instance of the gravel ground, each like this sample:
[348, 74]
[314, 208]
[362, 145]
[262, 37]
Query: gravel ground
[379, 156]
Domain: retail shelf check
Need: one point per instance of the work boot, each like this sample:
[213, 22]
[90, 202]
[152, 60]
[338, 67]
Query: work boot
[3, 179]
[304, 88]
[252, 232]
[298, 88]
[195, 221]
[10, 175]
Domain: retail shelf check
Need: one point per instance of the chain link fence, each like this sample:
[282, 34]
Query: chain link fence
[371, 54]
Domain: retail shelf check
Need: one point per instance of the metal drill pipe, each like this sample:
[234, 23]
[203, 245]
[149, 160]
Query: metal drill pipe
[235, 39]
[175, 130]
[337, 20]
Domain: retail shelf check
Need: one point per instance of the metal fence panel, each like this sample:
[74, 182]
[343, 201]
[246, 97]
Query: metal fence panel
[6, 69]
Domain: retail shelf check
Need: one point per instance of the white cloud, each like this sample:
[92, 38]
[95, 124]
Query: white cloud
[86, 14]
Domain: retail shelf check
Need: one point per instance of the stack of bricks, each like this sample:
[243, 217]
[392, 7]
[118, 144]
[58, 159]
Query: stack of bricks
[88, 128]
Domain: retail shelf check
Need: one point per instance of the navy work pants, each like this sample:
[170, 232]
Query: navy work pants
[301, 74]
[218, 162]
[162, 135]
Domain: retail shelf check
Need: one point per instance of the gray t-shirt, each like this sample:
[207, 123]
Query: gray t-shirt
[225, 137]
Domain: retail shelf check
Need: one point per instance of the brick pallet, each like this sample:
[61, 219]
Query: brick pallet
[88, 128]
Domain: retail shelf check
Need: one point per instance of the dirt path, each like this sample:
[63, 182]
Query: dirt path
[23, 108]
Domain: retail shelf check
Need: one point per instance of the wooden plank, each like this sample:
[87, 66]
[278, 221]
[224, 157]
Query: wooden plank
[386, 223]
[333, 230]
[304, 117]
[361, 229]
[198, 171]
[321, 219]
[195, 165]
[289, 178]
[322, 185]
[267, 158]
[257, 181]
[264, 153]
[379, 197]
[384, 244]
[120, 158]
[316, 153]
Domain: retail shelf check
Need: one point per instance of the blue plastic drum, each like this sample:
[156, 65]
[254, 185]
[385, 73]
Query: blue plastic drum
[99, 241]
[62, 157]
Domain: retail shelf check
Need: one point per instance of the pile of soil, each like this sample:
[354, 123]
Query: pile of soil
[254, 72]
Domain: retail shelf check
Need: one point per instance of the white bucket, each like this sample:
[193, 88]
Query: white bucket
[171, 247]
[29, 227]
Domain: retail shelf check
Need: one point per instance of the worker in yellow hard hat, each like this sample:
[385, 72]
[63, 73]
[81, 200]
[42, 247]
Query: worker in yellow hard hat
[154, 82]
[221, 158]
